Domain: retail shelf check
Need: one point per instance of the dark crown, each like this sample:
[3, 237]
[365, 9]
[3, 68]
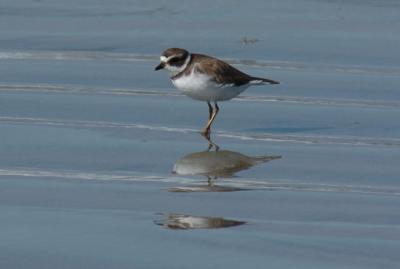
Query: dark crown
[182, 53]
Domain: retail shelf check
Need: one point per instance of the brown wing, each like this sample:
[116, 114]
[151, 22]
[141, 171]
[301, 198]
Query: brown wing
[221, 72]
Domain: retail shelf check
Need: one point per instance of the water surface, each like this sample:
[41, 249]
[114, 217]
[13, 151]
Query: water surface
[91, 138]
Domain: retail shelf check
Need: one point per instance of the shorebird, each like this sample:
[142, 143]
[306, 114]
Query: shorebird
[206, 78]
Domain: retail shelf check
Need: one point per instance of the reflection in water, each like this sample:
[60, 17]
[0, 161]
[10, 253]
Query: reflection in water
[215, 164]
[185, 222]
[210, 187]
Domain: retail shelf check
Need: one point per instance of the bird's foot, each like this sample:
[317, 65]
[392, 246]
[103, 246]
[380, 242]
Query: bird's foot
[207, 135]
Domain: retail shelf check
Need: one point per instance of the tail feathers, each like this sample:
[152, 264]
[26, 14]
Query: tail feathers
[256, 80]
[263, 159]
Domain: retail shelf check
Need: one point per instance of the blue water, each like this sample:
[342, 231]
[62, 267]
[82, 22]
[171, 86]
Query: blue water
[89, 135]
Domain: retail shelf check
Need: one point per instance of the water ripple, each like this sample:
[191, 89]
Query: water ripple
[242, 183]
[117, 56]
[259, 136]
[78, 89]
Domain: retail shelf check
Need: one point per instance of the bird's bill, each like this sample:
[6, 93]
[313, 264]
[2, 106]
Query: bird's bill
[160, 66]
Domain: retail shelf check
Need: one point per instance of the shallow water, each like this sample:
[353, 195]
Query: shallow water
[101, 160]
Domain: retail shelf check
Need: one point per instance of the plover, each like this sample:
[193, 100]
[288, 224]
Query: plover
[207, 79]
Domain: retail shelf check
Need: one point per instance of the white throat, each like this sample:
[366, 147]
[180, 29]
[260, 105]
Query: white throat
[174, 70]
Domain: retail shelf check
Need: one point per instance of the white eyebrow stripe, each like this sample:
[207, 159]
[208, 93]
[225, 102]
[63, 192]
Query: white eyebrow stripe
[163, 59]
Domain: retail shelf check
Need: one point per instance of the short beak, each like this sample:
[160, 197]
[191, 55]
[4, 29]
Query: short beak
[160, 66]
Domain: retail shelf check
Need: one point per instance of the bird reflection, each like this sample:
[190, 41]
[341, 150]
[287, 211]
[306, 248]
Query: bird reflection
[185, 222]
[214, 164]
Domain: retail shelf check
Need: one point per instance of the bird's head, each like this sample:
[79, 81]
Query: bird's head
[174, 60]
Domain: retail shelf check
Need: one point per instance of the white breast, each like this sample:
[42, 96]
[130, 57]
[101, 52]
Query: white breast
[201, 87]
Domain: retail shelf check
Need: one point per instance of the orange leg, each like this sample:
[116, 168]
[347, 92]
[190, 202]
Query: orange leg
[211, 118]
[210, 110]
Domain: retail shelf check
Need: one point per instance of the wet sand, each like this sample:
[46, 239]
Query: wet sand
[102, 164]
